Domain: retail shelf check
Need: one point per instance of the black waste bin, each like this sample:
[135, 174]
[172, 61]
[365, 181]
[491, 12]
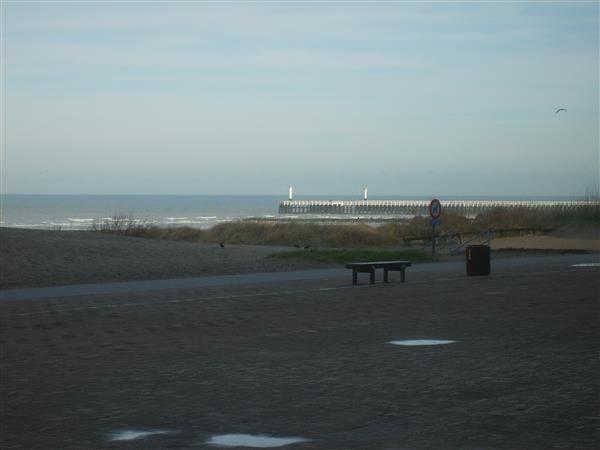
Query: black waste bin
[478, 260]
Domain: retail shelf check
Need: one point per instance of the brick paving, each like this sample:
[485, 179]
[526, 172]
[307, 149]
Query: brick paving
[310, 359]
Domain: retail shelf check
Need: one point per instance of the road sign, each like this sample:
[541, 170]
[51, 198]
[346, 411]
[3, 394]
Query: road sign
[435, 208]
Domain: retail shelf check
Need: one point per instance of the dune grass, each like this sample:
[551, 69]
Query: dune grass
[392, 234]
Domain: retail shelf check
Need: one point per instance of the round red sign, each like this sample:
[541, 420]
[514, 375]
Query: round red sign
[435, 208]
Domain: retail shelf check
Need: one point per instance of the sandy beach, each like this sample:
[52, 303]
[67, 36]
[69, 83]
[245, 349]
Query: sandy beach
[33, 258]
[36, 258]
[566, 238]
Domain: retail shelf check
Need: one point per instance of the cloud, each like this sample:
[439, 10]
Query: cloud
[186, 88]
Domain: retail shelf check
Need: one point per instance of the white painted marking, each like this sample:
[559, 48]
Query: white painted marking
[249, 440]
[130, 435]
[417, 342]
[586, 265]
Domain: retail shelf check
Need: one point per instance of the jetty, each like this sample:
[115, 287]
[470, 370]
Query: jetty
[376, 208]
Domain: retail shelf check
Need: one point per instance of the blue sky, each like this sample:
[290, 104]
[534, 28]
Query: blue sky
[249, 97]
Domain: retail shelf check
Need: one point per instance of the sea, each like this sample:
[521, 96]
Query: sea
[80, 212]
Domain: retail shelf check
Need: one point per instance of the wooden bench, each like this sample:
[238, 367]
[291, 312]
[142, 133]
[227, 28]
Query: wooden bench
[387, 266]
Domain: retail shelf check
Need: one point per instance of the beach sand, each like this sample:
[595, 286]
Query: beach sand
[36, 258]
[566, 238]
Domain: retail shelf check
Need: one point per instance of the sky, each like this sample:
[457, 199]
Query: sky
[405, 98]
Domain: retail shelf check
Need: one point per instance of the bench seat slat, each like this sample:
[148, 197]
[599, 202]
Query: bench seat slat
[379, 264]
[369, 267]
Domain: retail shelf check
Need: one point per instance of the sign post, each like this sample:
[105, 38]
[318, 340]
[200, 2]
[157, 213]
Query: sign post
[435, 211]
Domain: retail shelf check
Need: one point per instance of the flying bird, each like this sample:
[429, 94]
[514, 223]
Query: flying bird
[559, 110]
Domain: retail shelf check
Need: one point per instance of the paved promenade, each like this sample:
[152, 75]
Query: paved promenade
[180, 365]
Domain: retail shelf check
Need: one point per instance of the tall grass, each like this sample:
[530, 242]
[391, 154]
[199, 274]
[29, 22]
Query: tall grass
[124, 224]
[291, 233]
[391, 234]
[129, 225]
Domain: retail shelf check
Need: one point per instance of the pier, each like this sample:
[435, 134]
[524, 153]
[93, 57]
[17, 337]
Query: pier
[375, 208]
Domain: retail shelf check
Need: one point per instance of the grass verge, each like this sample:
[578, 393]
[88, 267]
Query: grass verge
[354, 255]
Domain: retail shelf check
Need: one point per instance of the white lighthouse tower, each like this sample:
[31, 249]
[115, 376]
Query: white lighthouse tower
[365, 193]
[290, 193]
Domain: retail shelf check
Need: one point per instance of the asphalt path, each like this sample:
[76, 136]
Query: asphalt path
[275, 277]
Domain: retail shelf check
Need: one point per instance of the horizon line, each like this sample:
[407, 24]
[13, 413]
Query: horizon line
[302, 196]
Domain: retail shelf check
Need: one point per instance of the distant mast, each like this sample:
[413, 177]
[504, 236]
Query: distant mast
[290, 193]
[365, 193]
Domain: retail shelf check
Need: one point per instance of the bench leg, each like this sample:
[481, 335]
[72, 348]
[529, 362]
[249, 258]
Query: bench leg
[354, 277]
[372, 276]
[402, 274]
[385, 275]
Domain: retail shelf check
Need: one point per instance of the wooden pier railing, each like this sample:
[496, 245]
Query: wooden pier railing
[417, 207]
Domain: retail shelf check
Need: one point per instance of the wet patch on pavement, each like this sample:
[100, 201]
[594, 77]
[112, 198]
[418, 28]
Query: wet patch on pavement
[252, 440]
[419, 342]
[133, 434]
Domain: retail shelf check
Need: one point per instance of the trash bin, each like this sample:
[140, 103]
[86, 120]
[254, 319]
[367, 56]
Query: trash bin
[478, 260]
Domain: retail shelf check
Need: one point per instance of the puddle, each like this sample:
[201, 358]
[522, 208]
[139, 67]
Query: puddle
[586, 265]
[130, 435]
[416, 342]
[252, 440]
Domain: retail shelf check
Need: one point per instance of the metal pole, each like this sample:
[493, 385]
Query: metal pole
[433, 242]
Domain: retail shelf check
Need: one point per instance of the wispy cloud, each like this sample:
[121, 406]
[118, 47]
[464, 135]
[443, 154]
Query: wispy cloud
[197, 85]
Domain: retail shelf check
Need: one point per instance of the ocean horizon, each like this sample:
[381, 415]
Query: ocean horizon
[78, 212]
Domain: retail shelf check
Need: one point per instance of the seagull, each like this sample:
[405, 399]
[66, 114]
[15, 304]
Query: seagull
[559, 110]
